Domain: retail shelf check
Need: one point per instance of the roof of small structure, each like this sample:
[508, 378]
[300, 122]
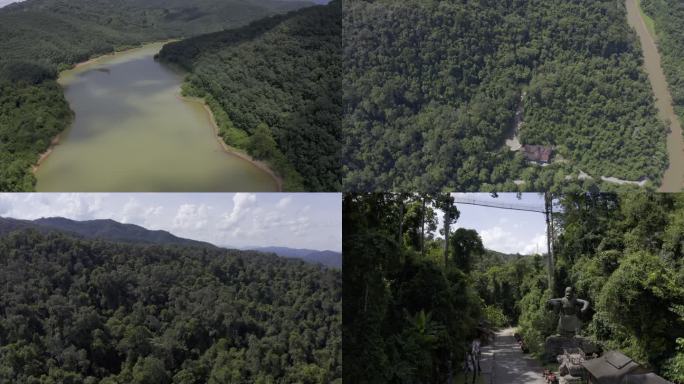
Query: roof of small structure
[612, 367]
[646, 378]
[537, 153]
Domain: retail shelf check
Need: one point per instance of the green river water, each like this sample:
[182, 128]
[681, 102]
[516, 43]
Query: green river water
[133, 132]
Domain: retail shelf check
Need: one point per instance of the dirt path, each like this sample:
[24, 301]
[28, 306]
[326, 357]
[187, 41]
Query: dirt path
[673, 180]
[505, 363]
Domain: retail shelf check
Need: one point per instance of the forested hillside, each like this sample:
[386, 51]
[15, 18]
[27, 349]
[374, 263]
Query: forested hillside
[274, 88]
[432, 90]
[668, 16]
[327, 258]
[411, 305]
[97, 229]
[40, 37]
[58, 33]
[84, 311]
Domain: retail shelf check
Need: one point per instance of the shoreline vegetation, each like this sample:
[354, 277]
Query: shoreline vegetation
[289, 114]
[43, 156]
[227, 148]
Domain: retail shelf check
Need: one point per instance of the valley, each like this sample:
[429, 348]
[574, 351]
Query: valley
[142, 136]
[133, 131]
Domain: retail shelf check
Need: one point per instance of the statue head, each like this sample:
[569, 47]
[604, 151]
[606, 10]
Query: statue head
[569, 293]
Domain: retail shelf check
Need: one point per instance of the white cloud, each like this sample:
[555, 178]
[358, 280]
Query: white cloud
[5, 204]
[284, 202]
[130, 210]
[299, 226]
[191, 216]
[241, 205]
[499, 239]
[537, 245]
[33, 206]
[137, 213]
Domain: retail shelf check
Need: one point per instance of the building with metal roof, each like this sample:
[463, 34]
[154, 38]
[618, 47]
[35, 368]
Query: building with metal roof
[615, 368]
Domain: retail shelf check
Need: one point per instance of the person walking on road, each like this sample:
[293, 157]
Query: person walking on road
[477, 353]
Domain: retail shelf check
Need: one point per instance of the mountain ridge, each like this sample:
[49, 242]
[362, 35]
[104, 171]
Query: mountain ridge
[104, 229]
[326, 257]
[112, 230]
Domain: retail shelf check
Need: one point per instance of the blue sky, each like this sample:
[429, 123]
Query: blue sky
[506, 230]
[296, 220]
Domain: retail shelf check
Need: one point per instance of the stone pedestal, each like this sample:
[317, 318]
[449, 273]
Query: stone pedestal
[557, 345]
[570, 380]
[571, 364]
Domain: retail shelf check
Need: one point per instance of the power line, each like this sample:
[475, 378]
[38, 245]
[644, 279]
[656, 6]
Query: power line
[547, 210]
[499, 205]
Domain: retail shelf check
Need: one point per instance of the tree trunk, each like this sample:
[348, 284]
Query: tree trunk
[365, 299]
[446, 239]
[401, 224]
[422, 231]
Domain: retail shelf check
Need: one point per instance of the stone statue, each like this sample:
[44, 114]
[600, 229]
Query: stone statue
[569, 323]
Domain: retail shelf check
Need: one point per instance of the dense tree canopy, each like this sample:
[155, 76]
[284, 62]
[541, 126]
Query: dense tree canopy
[431, 91]
[40, 37]
[30, 116]
[275, 88]
[87, 311]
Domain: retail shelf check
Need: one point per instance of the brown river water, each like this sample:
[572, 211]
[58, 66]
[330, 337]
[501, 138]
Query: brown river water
[673, 180]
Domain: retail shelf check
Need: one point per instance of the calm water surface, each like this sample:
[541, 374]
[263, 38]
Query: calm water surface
[132, 132]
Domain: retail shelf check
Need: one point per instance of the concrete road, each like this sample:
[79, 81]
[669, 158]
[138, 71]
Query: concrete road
[504, 363]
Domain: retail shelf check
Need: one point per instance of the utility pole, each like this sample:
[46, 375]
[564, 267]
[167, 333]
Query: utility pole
[548, 212]
[447, 226]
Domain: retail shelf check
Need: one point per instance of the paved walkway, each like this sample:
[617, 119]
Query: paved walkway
[504, 363]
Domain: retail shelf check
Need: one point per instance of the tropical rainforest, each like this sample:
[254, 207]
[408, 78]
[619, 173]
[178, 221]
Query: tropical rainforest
[414, 300]
[667, 15]
[432, 89]
[38, 38]
[275, 88]
[78, 310]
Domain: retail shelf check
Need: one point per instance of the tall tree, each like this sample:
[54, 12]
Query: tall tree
[445, 202]
[466, 244]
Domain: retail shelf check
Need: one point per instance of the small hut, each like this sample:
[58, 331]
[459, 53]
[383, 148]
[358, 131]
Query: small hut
[615, 368]
[646, 378]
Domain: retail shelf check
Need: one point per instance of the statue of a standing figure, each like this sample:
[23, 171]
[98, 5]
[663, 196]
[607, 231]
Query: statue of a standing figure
[569, 323]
